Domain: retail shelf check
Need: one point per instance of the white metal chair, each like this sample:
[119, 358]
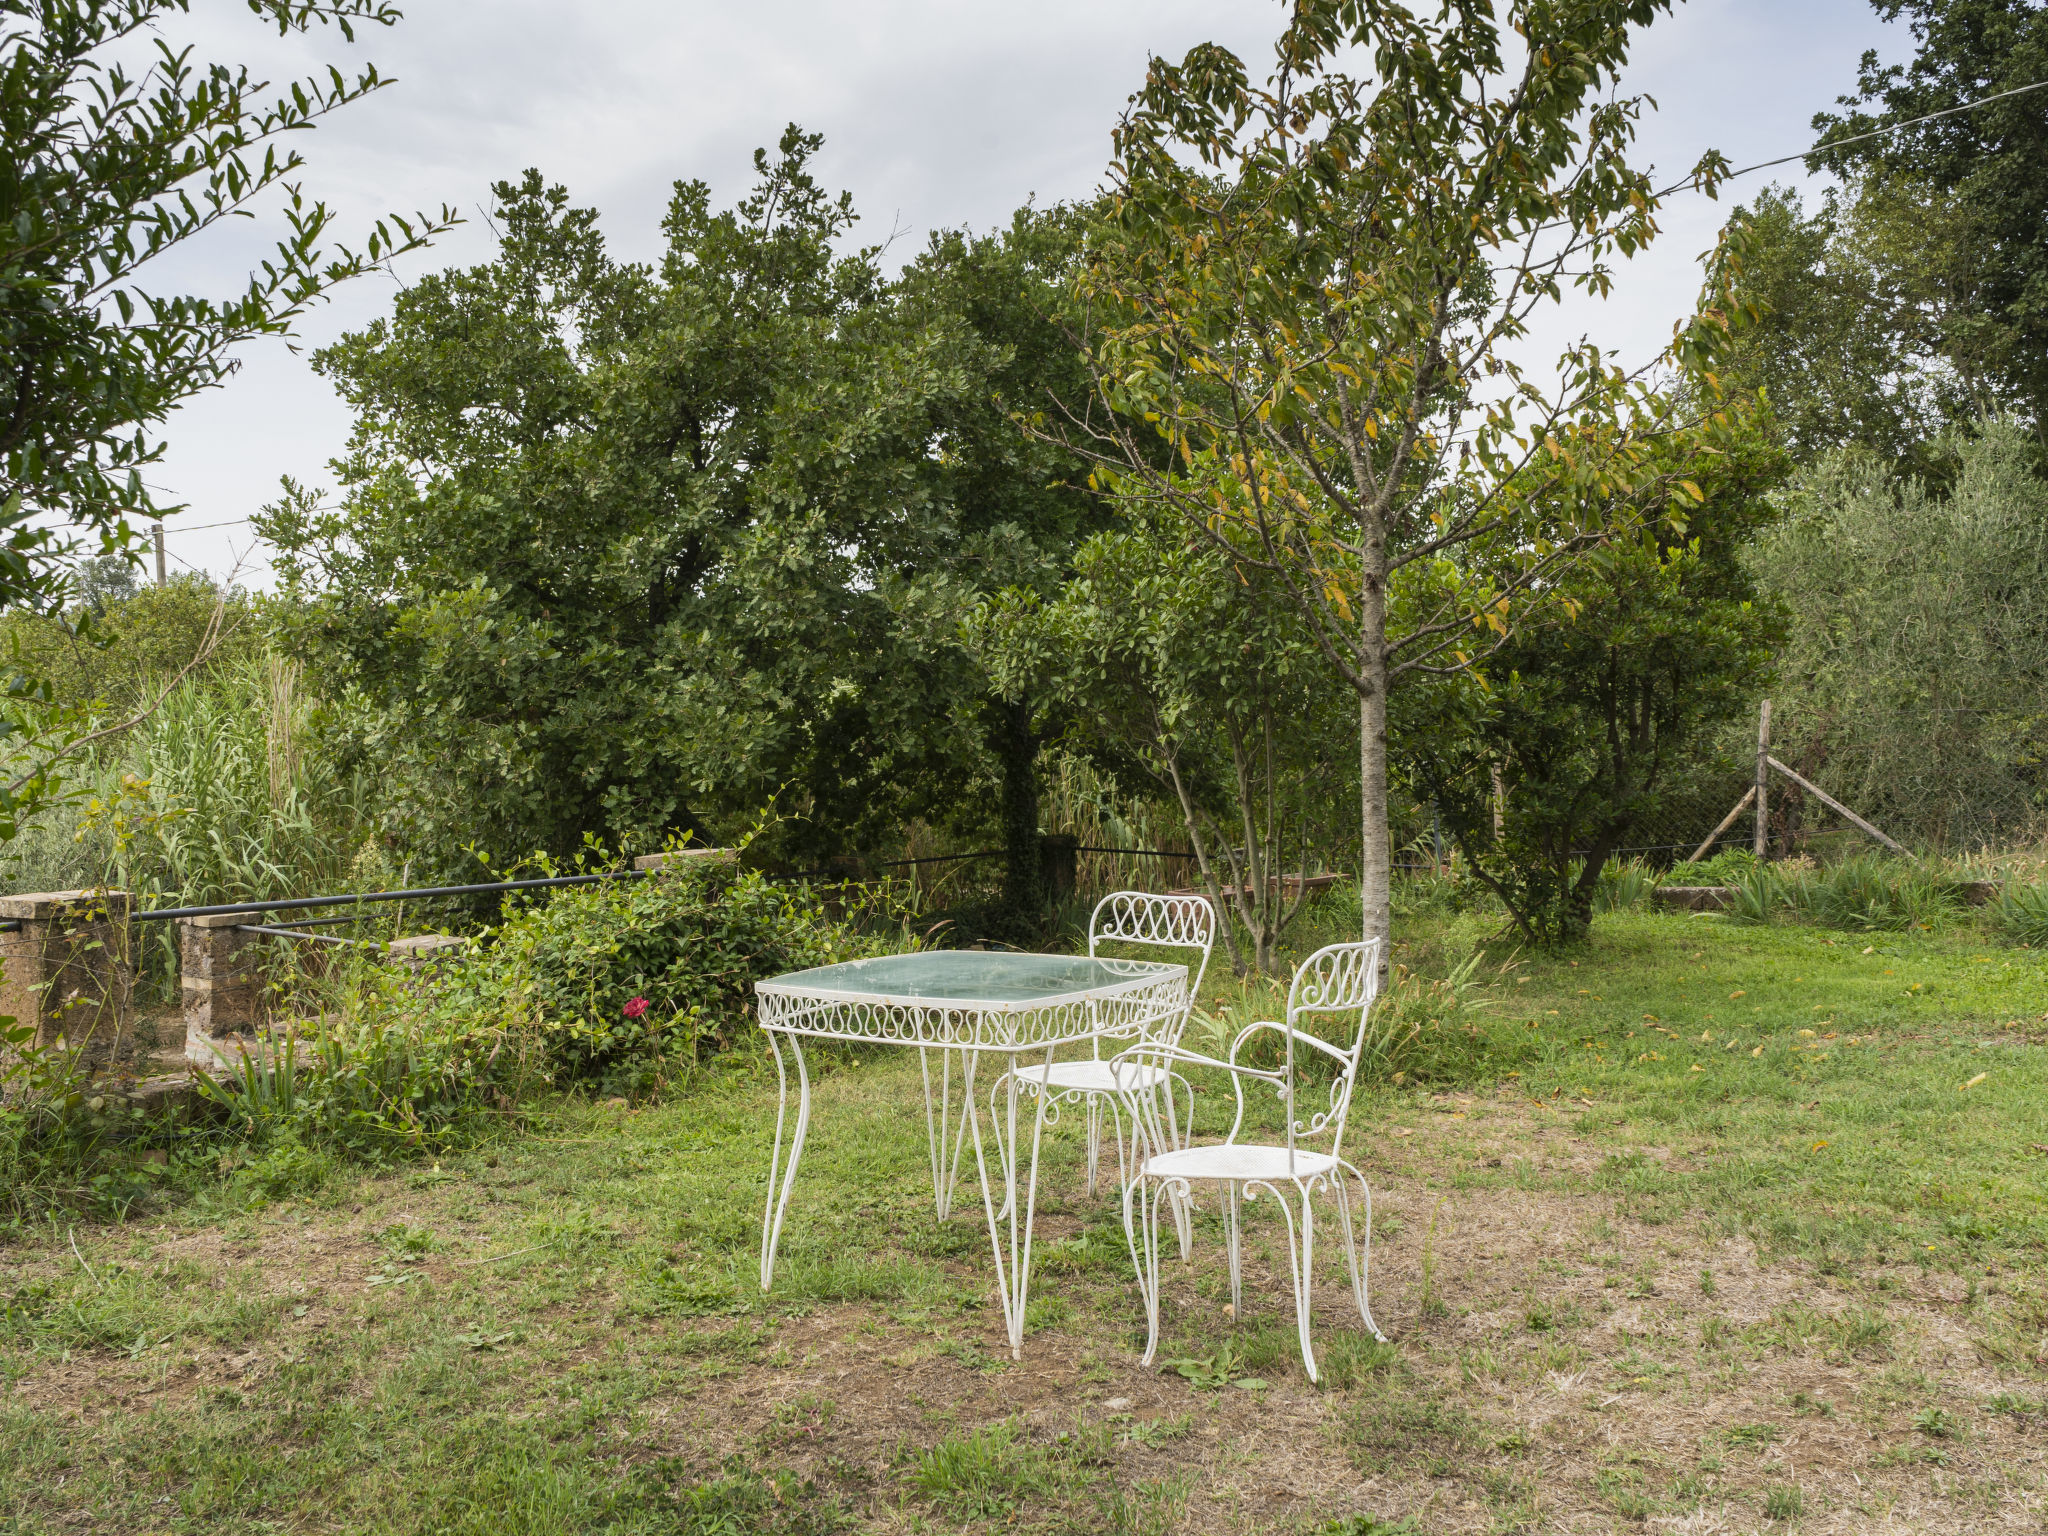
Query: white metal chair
[1342, 979]
[1126, 917]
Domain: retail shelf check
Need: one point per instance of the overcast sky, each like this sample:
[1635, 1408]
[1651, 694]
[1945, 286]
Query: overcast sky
[935, 113]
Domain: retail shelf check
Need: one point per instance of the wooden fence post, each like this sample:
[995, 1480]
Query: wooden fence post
[1763, 776]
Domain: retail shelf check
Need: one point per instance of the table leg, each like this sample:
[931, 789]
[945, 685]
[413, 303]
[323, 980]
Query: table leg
[778, 1199]
[1013, 1277]
[940, 1127]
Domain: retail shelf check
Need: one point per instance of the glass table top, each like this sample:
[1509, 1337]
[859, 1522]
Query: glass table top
[970, 976]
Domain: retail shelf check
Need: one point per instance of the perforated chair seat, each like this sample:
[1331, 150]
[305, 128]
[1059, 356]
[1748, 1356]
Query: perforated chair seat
[1238, 1163]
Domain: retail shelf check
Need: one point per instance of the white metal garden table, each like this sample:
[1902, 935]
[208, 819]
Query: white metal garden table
[1020, 1007]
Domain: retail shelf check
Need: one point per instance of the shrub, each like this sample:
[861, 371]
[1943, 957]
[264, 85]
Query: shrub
[1756, 894]
[614, 977]
[1623, 884]
[1874, 892]
[1724, 868]
[1433, 1030]
[389, 1073]
[2022, 912]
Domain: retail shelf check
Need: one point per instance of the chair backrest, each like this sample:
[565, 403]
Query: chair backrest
[1341, 979]
[1166, 922]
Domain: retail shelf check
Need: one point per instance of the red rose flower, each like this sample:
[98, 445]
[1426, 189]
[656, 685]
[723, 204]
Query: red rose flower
[636, 1007]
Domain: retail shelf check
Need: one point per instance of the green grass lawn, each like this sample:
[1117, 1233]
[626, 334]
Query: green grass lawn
[1707, 1228]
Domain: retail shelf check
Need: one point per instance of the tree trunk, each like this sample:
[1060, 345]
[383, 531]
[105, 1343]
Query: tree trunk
[1376, 873]
[1016, 747]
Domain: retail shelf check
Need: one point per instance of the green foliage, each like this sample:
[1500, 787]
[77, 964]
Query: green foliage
[617, 978]
[2022, 912]
[608, 984]
[226, 792]
[1972, 243]
[112, 168]
[1873, 892]
[136, 641]
[1915, 683]
[1434, 1029]
[984, 1474]
[1159, 654]
[1293, 373]
[1868, 893]
[656, 540]
[1623, 884]
[1723, 868]
[1587, 724]
[1755, 893]
[1839, 358]
[381, 1079]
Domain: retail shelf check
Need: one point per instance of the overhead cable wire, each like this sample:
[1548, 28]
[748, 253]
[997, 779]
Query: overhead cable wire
[1875, 133]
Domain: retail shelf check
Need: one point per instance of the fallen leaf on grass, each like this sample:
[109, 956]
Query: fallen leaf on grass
[1973, 1082]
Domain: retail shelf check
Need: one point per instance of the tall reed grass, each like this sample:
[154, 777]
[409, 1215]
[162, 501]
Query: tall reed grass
[223, 794]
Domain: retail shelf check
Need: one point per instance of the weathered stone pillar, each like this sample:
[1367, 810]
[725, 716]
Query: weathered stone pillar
[67, 971]
[218, 977]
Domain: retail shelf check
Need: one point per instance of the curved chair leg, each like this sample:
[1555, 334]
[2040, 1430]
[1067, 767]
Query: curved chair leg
[1141, 1233]
[778, 1199]
[1232, 1222]
[1116, 1129]
[1094, 1139]
[1300, 1263]
[1359, 1256]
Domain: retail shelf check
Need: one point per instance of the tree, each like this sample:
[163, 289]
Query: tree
[1313, 293]
[625, 549]
[1916, 681]
[1842, 355]
[1155, 655]
[1980, 172]
[1586, 725]
[106, 172]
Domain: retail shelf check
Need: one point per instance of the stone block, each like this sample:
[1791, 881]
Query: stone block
[686, 858]
[220, 983]
[67, 971]
[1693, 898]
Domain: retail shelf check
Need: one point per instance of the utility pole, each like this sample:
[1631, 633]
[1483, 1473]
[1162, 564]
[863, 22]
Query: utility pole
[157, 532]
[1763, 774]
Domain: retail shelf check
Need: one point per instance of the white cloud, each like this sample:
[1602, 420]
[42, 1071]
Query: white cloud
[935, 114]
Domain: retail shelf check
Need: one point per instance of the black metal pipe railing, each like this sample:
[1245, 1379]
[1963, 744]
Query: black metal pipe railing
[300, 933]
[300, 903]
